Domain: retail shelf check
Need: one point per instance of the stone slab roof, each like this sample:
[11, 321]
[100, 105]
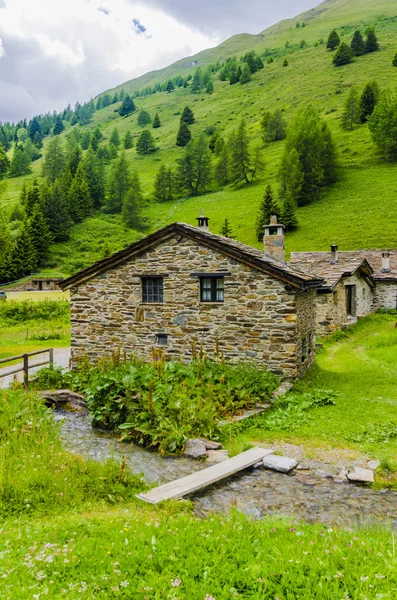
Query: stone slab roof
[348, 263]
[290, 274]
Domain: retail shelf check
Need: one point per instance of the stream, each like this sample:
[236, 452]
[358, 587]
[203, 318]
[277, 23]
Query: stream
[256, 492]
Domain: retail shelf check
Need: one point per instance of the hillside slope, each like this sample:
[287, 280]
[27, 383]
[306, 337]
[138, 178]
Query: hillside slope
[358, 212]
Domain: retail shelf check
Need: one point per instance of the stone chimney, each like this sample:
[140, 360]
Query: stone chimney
[274, 240]
[203, 222]
[385, 262]
[334, 254]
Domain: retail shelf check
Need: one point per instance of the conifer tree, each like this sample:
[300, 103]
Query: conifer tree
[156, 121]
[209, 89]
[285, 63]
[343, 56]
[358, 44]
[40, 235]
[56, 212]
[80, 201]
[146, 143]
[267, 209]
[128, 142]
[169, 87]
[240, 155]
[197, 81]
[352, 113]
[112, 151]
[119, 184]
[333, 40]
[115, 138]
[132, 204]
[288, 215]
[245, 74]
[274, 126]
[164, 184]
[32, 199]
[226, 229]
[95, 139]
[184, 136]
[59, 126]
[194, 170]
[85, 140]
[4, 162]
[127, 106]
[95, 175]
[74, 160]
[383, 124]
[222, 167]
[394, 63]
[54, 160]
[23, 260]
[144, 118]
[368, 100]
[20, 163]
[371, 43]
[187, 116]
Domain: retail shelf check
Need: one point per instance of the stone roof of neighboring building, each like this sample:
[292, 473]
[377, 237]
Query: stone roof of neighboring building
[290, 274]
[348, 263]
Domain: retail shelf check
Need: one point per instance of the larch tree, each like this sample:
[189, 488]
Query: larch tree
[368, 100]
[383, 124]
[240, 155]
[352, 112]
[115, 137]
[194, 169]
[4, 162]
[164, 184]
[54, 160]
[128, 142]
[222, 166]
[118, 185]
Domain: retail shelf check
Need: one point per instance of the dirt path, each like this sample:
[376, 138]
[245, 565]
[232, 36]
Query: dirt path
[61, 359]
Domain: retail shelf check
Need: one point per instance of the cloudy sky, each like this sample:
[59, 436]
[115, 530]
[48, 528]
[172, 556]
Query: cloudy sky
[57, 51]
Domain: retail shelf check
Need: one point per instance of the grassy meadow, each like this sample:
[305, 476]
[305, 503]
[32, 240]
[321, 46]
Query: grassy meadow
[359, 211]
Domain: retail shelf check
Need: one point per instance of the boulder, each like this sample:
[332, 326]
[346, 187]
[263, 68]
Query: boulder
[195, 449]
[216, 456]
[361, 475]
[282, 464]
[210, 445]
[60, 398]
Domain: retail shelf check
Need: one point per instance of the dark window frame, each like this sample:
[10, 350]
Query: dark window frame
[214, 289]
[152, 290]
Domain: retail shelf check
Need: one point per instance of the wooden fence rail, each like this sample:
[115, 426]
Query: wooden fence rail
[25, 364]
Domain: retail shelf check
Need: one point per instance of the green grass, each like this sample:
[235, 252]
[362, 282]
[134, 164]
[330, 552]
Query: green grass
[359, 367]
[358, 212]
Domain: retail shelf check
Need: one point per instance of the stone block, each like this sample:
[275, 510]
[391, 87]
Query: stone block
[360, 475]
[282, 464]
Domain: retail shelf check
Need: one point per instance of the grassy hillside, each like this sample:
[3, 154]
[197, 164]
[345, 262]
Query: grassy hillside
[358, 212]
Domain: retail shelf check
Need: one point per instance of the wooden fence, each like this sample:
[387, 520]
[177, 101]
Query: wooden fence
[25, 364]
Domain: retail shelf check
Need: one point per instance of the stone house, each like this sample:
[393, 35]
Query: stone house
[183, 285]
[355, 284]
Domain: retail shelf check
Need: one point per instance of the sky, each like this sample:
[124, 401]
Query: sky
[53, 52]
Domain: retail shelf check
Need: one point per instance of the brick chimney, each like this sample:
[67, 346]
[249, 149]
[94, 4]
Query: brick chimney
[274, 240]
[203, 222]
[385, 262]
[334, 254]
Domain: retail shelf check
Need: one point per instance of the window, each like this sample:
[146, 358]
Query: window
[152, 289]
[161, 339]
[212, 289]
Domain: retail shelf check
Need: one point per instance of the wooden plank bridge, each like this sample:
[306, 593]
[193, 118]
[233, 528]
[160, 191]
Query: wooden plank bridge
[197, 481]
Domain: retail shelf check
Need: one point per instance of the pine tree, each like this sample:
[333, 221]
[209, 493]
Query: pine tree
[164, 184]
[267, 209]
[333, 40]
[288, 215]
[144, 118]
[358, 44]
[371, 43]
[119, 184]
[194, 170]
[222, 167]
[184, 136]
[32, 199]
[40, 235]
[352, 113]
[146, 143]
[245, 74]
[34, 128]
[187, 116]
[226, 229]
[115, 138]
[127, 106]
[95, 175]
[240, 155]
[132, 205]
[59, 126]
[56, 212]
[343, 56]
[128, 142]
[80, 201]
[4, 162]
[156, 121]
[54, 160]
[368, 100]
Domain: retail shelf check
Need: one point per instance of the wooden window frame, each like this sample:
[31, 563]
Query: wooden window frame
[155, 295]
[213, 289]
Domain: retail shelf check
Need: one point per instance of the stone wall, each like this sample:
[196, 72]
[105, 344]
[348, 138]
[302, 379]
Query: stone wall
[385, 295]
[332, 310]
[259, 320]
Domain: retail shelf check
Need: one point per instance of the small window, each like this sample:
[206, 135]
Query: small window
[152, 289]
[212, 289]
[161, 339]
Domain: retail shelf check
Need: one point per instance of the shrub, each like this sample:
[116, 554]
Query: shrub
[13, 313]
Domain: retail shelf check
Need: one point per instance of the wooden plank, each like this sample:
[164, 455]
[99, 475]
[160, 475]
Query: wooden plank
[199, 480]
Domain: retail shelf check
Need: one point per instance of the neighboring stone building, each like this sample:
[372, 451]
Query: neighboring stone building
[355, 284]
[183, 284]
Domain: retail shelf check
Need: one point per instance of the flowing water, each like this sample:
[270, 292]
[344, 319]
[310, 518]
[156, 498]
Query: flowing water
[256, 492]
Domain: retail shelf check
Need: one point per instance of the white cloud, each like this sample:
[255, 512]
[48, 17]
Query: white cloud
[55, 52]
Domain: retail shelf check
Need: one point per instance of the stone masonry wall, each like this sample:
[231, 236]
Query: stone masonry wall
[385, 295]
[259, 321]
[331, 308]
[306, 330]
